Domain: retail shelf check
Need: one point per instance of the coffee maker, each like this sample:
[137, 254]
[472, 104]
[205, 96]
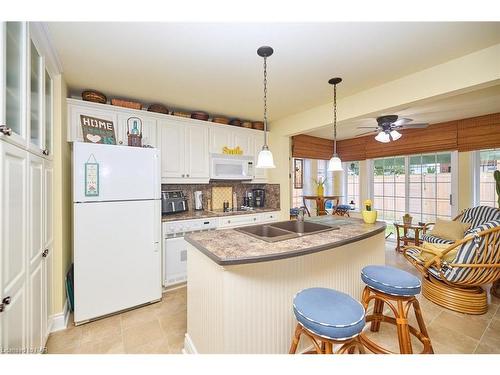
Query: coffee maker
[258, 198]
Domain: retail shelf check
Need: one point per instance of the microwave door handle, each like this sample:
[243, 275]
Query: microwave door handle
[173, 206]
[183, 205]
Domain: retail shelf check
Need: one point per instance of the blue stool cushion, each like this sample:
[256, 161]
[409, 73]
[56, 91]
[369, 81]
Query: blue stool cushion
[391, 280]
[329, 313]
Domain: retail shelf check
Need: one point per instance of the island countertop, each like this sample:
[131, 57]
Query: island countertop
[230, 247]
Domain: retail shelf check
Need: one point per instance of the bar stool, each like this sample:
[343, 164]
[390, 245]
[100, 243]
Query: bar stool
[328, 317]
[397, 289]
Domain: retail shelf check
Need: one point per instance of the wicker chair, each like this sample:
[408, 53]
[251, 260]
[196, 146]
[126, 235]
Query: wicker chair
[456, 284]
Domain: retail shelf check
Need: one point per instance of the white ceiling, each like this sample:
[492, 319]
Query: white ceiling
[214, 66]
[475, 103]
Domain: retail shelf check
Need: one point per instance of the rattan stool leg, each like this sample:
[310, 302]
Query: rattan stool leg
[403, 330]
[295, 340]
[378, 309]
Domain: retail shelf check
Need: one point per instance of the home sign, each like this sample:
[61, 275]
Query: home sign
[96, 130]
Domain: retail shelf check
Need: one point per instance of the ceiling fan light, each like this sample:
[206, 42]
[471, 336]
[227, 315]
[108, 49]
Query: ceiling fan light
[395, 135]
[335, 164]
[265, 159]
[383, 137]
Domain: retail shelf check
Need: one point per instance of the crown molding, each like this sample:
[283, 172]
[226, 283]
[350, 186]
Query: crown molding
[40, 33]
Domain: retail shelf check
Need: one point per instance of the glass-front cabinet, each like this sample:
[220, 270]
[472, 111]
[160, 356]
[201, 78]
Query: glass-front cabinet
[26, 91]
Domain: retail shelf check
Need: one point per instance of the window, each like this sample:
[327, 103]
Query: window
[351, 184]
[487, 162]
[389, 176]
[421, 185]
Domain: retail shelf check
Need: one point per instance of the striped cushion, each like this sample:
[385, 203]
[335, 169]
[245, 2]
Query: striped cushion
[469, 252]
[432, 239]
[479, 215]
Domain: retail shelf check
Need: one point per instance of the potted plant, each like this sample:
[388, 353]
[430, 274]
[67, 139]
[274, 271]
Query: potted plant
[369, 215]
[320, 186]
[407, 218]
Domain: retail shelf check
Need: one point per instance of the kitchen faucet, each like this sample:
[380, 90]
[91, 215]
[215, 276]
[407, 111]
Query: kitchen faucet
[300, 214]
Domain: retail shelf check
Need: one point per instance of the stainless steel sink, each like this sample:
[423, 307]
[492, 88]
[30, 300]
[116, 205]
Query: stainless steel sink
[284, 230]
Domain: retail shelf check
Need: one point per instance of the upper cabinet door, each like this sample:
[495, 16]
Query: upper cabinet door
[48, 115]
[149, 129]
[220, 137]
[244, 140]
[172, 138]
[36, 80]
[12, 82]
[197, 158]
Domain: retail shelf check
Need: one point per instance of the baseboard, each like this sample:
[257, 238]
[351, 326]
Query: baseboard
[60, 321]
[189, 347]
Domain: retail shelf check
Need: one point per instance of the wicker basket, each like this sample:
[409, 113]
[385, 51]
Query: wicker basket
[247, 124]
[94, 96]
[221, 120]
[126, 103]
[159, 108]
[235, 122]
[259, 125]
[182, 114]
[199, 115]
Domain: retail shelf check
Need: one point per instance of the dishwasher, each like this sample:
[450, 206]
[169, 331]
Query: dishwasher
[175, 247]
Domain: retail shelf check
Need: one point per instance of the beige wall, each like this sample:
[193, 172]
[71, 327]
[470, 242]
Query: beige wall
[62, 197]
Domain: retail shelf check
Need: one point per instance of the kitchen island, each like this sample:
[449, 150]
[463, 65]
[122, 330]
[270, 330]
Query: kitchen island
[240, 288]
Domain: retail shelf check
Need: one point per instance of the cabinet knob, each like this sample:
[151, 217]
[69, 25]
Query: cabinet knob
[45, 152]
[183, 175]
[5, 130]
[6, 300]
[45, 253]
[187, 175]
[120, 142]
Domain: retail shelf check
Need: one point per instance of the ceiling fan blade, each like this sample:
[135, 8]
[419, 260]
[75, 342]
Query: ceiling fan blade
[414, 126]
[368, 127]
[373, 132]
[402, 121]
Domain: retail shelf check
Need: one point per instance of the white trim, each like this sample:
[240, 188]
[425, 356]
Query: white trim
[189, 347]
[60, 321]
[41, 37]
[455, 170]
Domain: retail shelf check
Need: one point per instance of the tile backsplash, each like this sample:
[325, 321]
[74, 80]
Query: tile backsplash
[272, 199]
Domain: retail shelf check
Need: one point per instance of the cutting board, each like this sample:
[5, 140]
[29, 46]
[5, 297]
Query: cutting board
[220, 194]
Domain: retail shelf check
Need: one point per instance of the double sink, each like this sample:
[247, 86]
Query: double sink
[284, 230]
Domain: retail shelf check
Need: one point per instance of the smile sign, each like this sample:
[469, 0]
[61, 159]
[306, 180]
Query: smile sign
[96, 130]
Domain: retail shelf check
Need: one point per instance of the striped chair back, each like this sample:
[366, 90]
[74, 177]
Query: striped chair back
[479, 215]
[481, 250]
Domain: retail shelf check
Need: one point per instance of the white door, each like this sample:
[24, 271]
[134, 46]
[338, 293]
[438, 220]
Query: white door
[220, 136]
[115, 272]
[48, 241]
[259, 173]
[197, 158]
[13, 242]
[245, 141]
[149, 136]
[35, 249]
[13, 85]
[172, 146]
[125, 173]
[175, 261]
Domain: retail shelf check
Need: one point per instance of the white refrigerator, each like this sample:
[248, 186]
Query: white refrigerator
[116, 228]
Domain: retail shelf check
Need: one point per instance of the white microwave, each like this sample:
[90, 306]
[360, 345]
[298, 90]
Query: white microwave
[231, 167]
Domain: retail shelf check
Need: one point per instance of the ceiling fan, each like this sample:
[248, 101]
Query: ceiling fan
[388, 126]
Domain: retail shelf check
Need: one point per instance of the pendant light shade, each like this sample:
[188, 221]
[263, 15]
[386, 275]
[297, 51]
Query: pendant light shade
[395, 135]
[265, 158]
[383, 137]
[335, 164]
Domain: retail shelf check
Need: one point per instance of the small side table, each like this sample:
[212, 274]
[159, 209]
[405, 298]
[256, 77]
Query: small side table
[405, 237]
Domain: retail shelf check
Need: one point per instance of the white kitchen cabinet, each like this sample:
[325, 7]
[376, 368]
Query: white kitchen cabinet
[26, 113]
[76, 110]
[13, 246]
[184, 153]
[149, 129]
[235, 221]
[268, 217]
[226, 136]
[48, 244]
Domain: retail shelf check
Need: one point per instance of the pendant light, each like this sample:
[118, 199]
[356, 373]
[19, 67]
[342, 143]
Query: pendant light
[265, 158]
[335, 164]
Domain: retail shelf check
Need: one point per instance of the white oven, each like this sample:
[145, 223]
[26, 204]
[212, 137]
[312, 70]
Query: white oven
[175, 247]
[231, 167]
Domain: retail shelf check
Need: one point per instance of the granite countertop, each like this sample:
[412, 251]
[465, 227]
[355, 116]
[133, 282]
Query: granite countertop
[230, 247]
[189, 215]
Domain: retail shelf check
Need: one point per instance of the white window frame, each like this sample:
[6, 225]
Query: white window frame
[345, 166]
[454, 179]
[476, 168]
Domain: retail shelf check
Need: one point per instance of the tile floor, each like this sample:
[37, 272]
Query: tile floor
[159, 328]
